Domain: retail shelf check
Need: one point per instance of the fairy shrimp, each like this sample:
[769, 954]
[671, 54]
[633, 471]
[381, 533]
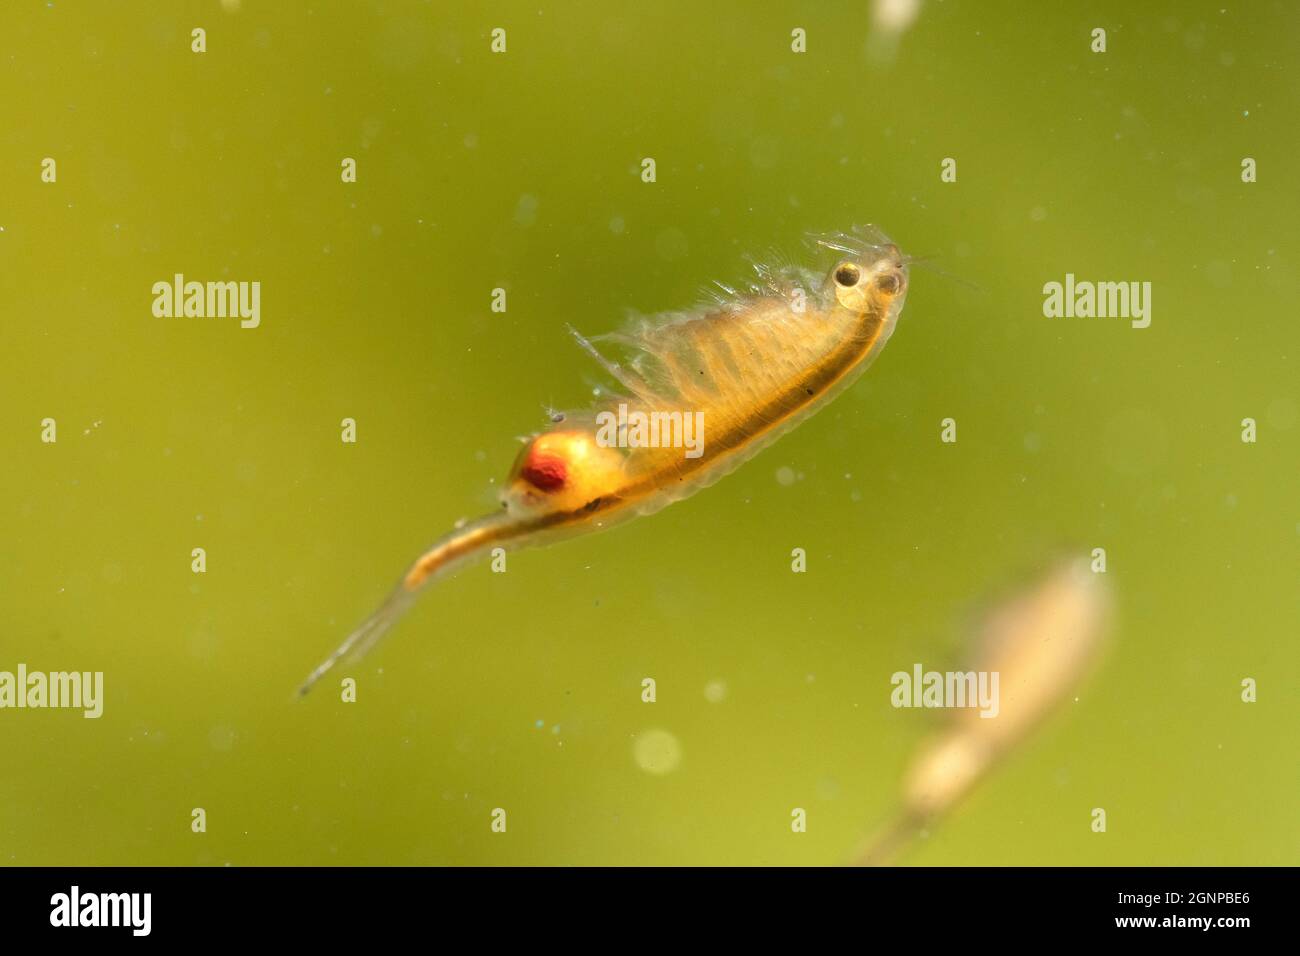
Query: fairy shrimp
[749, 366]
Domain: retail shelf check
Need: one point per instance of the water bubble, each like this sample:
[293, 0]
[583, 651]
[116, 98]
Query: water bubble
[657, 752]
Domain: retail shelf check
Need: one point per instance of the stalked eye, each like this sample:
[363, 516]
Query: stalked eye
[888, 283]
[847, 274]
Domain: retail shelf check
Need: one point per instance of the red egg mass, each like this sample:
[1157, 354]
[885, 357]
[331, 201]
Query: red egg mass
[545, 472]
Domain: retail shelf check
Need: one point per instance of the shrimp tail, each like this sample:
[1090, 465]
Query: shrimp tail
[453, 551]
[886, 845]
[364, 637]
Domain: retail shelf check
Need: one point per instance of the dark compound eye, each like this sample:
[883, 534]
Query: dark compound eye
[848, 274]
[888, 283]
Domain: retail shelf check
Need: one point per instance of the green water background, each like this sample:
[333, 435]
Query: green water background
[523, 690]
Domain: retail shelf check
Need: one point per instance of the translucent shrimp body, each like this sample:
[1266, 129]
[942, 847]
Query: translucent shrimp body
[703, 391]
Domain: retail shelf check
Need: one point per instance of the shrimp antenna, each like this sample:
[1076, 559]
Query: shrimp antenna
[927, 262]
